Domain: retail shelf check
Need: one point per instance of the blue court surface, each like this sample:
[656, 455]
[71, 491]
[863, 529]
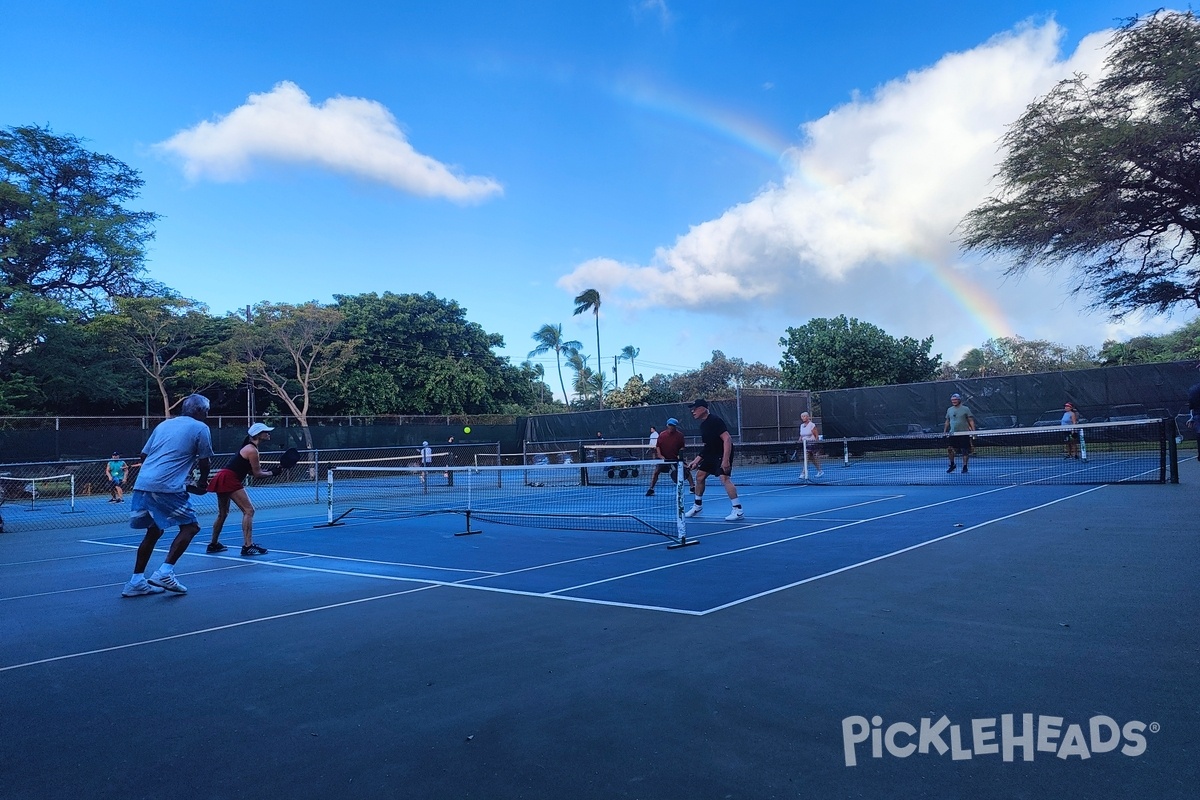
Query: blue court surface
[944, 641]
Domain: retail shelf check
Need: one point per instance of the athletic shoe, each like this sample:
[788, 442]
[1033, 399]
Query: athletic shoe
[735, 515]
[693, 511]
[215, 547]
[964, 469]
[167, 582]
[820, 474]
[952, 468]
[254, 550]
[649, 493]
[139, 588]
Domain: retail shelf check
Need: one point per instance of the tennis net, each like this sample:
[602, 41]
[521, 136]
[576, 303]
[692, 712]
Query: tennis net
[555, 496]
[1137, 451]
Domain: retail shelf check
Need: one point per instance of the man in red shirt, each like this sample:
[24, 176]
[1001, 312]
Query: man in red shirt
[670, 442]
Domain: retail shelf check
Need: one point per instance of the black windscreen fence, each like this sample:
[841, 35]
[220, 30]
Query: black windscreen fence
[1144, 391]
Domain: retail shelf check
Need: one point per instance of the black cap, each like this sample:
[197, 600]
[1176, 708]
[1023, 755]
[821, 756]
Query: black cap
[701, 403]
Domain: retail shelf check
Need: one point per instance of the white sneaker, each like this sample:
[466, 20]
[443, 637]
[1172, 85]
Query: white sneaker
[735, 515]
[693, 511]
[820, 474]
[167, 582]
[139, 588]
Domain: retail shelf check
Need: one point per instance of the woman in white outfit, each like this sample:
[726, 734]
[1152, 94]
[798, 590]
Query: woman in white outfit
[809, 439]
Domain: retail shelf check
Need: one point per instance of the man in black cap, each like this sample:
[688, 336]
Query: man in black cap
[716, 458]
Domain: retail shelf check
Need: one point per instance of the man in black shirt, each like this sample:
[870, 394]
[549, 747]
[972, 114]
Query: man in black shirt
[716, 458]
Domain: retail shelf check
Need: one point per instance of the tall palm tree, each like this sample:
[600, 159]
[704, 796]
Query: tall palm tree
[589, 300]
[629, 353]
[550, 337]
[583, 383]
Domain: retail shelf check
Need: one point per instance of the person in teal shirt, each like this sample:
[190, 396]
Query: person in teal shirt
[117, 471]
[959, 420]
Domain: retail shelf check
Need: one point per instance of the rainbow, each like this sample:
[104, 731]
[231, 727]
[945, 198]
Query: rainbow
[979, 305]
[741, 130]
[760, 140]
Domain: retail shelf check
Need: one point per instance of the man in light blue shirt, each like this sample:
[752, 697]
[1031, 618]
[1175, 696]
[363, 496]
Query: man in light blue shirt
[160, 497]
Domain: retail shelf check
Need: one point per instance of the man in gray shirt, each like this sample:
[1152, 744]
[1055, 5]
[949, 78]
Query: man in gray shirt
[160, 498]
[959, 420]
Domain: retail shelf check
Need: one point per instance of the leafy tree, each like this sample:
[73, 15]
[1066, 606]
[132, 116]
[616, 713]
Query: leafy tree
[841, 353]
[65, 232]
[1104, 178]
[292, 350]
[418, 354]
[633, 393]
[173, 341]
[589, 300]
[721, 377]
[1179, 345]
[1014, 355]
[51, 362]
[659, 391]
[550, 337]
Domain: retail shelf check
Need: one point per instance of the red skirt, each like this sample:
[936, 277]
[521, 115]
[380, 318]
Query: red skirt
[225, 482]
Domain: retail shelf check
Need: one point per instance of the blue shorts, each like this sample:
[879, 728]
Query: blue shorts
[161, 509]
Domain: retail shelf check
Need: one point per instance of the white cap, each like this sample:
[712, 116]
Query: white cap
[258, 428]
[424, 444]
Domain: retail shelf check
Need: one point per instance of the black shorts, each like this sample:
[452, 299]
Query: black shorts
[712, 465]
[961, 442]
[1072, 436]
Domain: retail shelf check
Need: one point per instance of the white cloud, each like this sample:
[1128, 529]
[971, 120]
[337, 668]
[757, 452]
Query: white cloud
[863, 223]
[349, 135]
[657, 8]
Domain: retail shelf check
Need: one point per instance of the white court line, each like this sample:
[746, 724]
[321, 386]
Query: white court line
[781, 541]
[213, 629]
[897, 552]
[105, 585]
[541, 595]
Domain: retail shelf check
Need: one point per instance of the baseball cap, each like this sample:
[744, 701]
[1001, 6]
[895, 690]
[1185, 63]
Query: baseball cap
[424, 444]
[673, 421]
[956, 396]
[258, 428]
[116, 454]
[701, 403]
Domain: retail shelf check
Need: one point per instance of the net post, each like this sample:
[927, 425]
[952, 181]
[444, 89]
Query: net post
[330, 519]
[1171, 472]
[72, 511]
[804, 450]
[1082, 445]
[845, 452]
[316, 471]
[468, 531]
[680, 538]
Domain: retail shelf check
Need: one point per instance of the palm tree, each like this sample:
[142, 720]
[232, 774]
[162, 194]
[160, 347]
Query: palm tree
[550, 337]
[629, 353]
[583, 384]
[589, 300]
[537, 372]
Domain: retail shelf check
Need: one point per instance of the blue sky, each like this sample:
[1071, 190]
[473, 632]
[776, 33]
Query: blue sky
[718, 171]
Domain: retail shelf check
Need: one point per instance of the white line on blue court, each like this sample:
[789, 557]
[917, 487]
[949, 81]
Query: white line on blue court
[829, 529]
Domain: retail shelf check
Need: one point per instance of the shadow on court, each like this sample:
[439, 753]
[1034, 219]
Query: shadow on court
[868, 642]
